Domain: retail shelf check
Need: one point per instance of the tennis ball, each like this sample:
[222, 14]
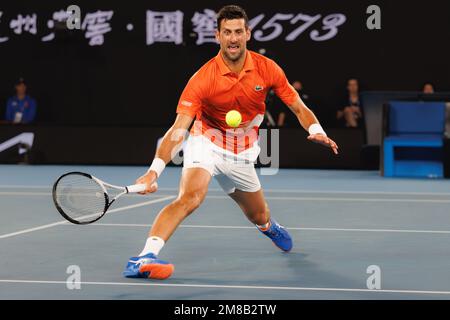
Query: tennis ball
[233, 118]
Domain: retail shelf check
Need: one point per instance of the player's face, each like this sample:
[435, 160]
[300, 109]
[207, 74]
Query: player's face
[233, 37]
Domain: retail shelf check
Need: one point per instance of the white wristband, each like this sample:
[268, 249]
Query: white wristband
[158, 166]
[316, 128]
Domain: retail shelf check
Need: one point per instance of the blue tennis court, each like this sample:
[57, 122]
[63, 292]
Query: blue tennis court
[344, 224]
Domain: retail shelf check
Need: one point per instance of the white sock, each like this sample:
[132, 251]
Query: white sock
[264, 227]
[152, 245]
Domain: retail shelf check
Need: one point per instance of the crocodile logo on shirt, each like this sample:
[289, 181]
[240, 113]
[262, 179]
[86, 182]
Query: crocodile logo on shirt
[258, 88]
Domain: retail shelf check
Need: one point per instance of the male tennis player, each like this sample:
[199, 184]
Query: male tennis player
[236, 79]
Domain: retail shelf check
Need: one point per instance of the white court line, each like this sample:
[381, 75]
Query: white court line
[345, 199]
[276, 198]
[303, 229]
[49, 187]
[20, 193]
[279, 191]
[12, 193]
[50, 225]
[360, 192]
[20, 186]
[206, 286]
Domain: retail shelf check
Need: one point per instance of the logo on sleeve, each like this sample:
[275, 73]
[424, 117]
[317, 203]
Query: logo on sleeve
[258, 88]
[186, 103]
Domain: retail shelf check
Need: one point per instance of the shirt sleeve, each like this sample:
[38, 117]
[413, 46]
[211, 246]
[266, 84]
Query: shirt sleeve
[191, 99]
[281, 86]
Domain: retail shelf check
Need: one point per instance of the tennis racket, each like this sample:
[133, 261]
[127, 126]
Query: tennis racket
[82, 198]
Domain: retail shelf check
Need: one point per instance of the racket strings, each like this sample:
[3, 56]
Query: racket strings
[80, 198]
[112, 192]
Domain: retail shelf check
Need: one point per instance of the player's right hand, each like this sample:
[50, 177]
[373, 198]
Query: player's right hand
[149, 179]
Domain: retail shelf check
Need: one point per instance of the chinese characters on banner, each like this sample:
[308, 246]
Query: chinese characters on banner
[96, 25]
[2, 39]
[21, 24]
[59, 16]
[167, 26]
[205, 25]
[164, 27]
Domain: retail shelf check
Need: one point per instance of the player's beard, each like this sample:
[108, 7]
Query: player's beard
[236, 57]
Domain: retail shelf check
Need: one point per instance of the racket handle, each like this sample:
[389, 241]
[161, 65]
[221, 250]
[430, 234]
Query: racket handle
[135, 188]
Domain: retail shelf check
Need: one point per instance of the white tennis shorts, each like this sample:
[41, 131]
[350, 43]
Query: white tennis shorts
[230, 170]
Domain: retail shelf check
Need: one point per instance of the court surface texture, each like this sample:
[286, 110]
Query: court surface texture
[349, 228]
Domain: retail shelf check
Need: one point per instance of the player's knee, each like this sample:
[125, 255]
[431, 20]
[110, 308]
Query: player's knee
[190, 202]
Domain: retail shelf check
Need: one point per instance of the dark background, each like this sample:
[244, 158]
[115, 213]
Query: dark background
[127, 83]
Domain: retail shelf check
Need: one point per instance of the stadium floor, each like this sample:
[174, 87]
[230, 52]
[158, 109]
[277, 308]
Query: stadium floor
[345, 224]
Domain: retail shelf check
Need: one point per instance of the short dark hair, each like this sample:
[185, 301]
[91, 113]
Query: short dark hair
[231, 12]
[20, 81]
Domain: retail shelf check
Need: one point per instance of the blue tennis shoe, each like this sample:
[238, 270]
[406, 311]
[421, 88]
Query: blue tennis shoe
[148, 266]
[279, 235]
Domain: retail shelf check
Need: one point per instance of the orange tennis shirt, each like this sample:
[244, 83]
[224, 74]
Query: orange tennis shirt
[214, 90]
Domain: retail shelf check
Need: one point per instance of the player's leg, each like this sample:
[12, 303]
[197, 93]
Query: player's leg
[255, 207]
[193, 188]
[241, 182]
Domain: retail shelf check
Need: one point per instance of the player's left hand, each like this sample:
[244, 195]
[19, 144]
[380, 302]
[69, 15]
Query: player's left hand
[324, 140]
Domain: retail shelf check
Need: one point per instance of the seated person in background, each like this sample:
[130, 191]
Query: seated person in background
[350, 116]
[299, 87]
[20, 108]
[428, 88]
[286, 118]
[271, 111]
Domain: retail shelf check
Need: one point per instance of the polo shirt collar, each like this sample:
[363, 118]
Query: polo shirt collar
[248, 64]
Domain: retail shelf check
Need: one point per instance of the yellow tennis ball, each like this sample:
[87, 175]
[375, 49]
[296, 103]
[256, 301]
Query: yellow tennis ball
[233, 118]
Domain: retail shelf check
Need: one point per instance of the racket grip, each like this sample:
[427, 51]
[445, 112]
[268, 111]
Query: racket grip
[135, 188]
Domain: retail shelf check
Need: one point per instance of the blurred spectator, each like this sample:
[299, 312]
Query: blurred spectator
[20, 108]
[278, 115]
[428, 88]
[272, 110]
[286, 118]
[299, 87]
[351, 116]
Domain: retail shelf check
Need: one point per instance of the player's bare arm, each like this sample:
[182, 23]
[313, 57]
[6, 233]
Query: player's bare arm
[307, 118]
[171, 141]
